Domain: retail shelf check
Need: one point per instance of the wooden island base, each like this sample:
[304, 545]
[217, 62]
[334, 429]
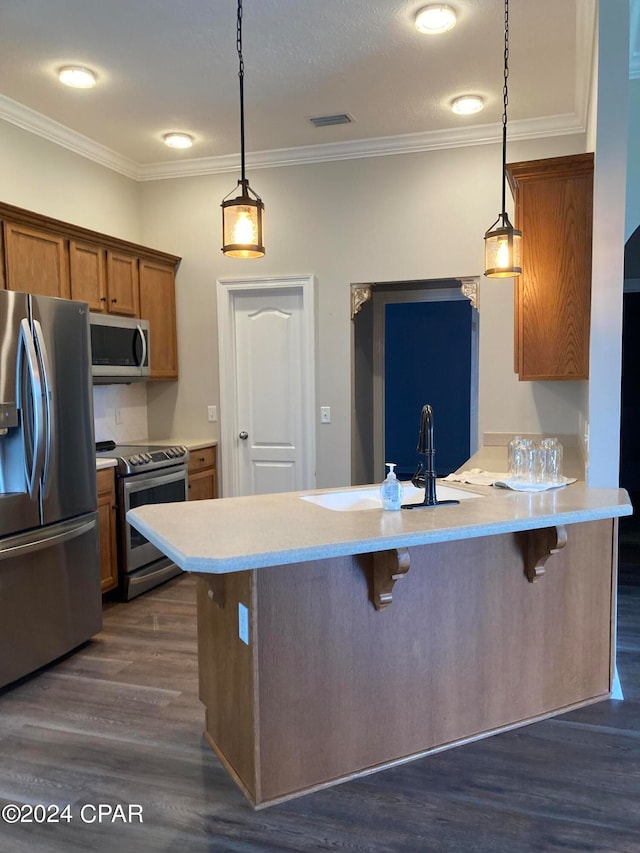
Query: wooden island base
[349, 669]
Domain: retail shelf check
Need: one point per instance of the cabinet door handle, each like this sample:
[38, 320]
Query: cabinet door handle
[103, 299]
[244, 435]
[114, 300]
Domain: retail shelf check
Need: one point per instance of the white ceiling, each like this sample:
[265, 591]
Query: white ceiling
[172, 65]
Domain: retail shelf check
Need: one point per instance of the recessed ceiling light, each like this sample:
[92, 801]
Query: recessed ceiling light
[467, 104]
[178, 140]
[77, 77]
[435, 19]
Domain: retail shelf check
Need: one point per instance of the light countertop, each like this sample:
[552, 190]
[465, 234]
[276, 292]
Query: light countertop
[105, 463]
[235, 534]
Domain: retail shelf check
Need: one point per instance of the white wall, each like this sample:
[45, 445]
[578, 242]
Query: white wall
[405, 217]
[43, 177]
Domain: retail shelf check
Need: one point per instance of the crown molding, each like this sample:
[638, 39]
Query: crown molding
[482, 134]
[38, 124]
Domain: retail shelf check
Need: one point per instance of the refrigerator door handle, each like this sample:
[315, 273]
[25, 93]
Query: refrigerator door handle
[26, 347]
[143, 341]
[30, 547]
[49, 429]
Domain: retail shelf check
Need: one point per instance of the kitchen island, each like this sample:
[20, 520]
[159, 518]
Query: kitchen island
[336, 643]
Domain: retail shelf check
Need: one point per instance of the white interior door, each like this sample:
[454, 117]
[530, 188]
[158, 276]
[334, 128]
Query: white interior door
[267, 401]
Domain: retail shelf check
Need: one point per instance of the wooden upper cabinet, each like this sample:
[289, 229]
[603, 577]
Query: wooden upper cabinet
[554, 211]
[123, 284]
[35, 261]
[87, 274]
[158, 306]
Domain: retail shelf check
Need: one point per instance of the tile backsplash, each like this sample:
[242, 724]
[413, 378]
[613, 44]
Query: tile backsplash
[120, 412]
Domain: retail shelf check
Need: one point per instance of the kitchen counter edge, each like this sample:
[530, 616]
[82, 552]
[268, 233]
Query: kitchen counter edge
[239, 534]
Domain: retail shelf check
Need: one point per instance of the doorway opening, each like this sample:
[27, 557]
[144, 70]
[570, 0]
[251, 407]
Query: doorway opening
[413, 343]
[629, 526]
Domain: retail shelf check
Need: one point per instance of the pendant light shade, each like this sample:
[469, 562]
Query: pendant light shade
[242, 224]
[502, 242]
[242, 215]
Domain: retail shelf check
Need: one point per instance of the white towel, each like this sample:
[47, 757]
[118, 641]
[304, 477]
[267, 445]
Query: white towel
[519, 486]
[475, 477]
[479, 477]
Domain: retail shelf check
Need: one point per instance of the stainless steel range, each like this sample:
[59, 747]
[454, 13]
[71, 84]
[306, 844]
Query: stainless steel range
[144, 475]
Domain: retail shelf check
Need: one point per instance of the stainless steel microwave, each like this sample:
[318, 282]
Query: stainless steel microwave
[119, 349]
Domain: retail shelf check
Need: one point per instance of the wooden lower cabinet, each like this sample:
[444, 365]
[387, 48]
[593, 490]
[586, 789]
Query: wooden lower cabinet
[203, 474]
[107, 525]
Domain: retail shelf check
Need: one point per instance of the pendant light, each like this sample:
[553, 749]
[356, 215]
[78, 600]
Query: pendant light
[502, 242]
[242, 215]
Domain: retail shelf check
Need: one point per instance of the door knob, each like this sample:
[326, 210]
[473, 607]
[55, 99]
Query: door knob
[243, 435]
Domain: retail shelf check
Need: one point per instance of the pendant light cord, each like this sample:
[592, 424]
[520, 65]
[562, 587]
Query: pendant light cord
[505, 96]
[241, 78]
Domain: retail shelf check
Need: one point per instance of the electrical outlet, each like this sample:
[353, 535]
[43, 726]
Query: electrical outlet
[243, 623]
[325, 414]
[212, 414]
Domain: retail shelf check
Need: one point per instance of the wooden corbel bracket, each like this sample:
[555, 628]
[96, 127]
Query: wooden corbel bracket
[388, 567]
[216, 584]
[542, 544]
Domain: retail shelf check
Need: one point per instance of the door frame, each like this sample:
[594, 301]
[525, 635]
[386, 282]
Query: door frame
[226, 289]
[433, 290]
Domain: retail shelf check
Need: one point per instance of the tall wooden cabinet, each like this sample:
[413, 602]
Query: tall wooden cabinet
[157, 304]
[554, 211]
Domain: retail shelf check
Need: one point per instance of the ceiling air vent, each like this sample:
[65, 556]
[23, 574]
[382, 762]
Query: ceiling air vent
[327, 121]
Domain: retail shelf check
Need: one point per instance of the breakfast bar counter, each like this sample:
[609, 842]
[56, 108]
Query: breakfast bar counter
[334, 642]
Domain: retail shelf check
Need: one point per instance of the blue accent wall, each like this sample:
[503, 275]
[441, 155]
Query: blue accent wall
[428, 360]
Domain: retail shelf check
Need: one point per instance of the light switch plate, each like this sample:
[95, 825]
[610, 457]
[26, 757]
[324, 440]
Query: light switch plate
[325, 414]
[212, 413]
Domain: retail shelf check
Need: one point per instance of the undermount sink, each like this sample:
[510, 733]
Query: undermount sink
[349, 500]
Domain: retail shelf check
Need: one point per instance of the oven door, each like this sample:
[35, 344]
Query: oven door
[156, 487]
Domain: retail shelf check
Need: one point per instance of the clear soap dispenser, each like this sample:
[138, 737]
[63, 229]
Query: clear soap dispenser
[391, 489]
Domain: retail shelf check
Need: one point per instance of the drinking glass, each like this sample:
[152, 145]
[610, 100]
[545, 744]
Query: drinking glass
[552, 451]
[524, 457]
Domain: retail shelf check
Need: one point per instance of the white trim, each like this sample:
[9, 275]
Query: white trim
[52, 131]
[408, 143]
[225, 288]
[449, 292]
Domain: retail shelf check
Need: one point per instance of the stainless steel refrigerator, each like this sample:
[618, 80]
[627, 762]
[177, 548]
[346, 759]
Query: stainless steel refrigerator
[50, 598]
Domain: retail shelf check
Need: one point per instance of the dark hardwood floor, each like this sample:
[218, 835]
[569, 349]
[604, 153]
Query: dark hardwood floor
[119, 722]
